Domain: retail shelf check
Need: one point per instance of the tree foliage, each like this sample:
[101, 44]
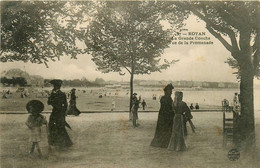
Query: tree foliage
[237, 21]
[14, 81]
[38, 31]
[127, 35]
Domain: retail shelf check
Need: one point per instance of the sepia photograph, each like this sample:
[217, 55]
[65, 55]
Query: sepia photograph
[130, 84]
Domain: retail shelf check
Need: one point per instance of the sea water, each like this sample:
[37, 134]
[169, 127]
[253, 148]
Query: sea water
[205, 96]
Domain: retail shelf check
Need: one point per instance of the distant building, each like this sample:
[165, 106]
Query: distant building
[197, 84]
[186, 83]
[150, 83]
[213, 84]
[205, 84]
[221, 85]
[232, 85]
[176, 83]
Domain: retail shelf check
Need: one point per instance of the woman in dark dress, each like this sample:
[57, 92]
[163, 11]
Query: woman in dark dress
[58, 135]
[73, 110]
[182, 111]
[165, 120]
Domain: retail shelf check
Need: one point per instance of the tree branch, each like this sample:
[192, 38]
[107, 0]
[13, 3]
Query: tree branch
[233, 15]
[1, 52]
[233, 39]
[209, 22]
[140, 63]
[126, 68]
[256, 59]
[220, 38]
[256, 44]
[209, 25]
[234, 49]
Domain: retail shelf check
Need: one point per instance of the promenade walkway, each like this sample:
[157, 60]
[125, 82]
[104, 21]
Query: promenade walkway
[108, 140]
[110, 111]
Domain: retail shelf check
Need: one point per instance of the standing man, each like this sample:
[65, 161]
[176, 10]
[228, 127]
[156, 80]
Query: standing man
[58, 134]
[191, 106]
[197, 107]
[143, 104]
[134, 109]
[236, 101]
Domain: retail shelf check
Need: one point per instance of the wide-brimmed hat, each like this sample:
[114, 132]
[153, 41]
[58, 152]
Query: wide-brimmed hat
[168, 87]
[134, 93]
[36, 104]
[56, 82]
[73, 89]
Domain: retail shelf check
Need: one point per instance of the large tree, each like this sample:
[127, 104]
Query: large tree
[237, 26]
[39, 31]
[128, 37]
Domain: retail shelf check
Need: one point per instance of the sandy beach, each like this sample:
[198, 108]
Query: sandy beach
[109, 140]
[90, 100]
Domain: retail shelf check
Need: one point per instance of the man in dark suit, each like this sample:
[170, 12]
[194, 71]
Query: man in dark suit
[135, 106]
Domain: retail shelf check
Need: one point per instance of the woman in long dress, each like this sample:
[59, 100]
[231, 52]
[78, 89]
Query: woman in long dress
[73, 110]
[181, 110]
[165, 120]
[58, 134]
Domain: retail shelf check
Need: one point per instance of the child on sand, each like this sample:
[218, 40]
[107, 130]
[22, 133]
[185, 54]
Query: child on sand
[34, 122]
[113, 105]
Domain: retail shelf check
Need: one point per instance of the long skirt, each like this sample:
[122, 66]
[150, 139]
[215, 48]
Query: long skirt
[73, 110]
[177, 141]
[58, 135]
[163, 132]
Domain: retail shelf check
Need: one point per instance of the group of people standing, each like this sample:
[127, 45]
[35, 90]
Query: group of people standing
[197, 107]
[171, 125]
[134, 108]
[170, 129]
[56, 128]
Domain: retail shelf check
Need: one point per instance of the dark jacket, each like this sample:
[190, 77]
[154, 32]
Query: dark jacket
[164, 123]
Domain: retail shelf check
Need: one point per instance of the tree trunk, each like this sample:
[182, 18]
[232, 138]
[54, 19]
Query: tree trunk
[131, 93]
[246, 130]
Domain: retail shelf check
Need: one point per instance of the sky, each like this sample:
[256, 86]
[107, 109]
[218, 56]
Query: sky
[196, 62]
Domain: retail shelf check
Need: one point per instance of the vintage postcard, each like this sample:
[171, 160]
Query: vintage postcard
[130, 84]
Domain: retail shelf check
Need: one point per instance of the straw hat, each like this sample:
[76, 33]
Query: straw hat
[36, 104]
